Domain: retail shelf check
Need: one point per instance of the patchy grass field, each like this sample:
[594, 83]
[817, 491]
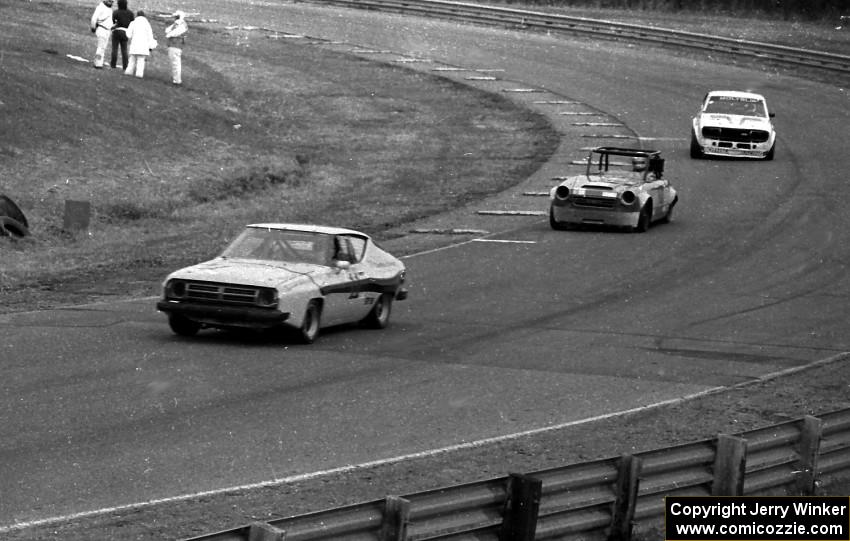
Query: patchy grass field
[261, 131]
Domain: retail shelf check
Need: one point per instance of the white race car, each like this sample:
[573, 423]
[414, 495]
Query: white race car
[286, 275]
[735, 124]
[622, 187]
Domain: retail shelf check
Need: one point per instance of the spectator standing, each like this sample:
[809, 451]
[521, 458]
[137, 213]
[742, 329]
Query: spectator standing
[101, 25]
[142, 42]
[175, 34]
[121, 19]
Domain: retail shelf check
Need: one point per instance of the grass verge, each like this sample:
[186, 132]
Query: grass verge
[263, 130]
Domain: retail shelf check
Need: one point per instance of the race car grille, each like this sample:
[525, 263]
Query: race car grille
[595, 202]
[224, 293]
[736, 134]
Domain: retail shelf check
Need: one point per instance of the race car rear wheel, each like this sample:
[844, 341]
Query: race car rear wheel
[696, 150]
[379, 316]
[309, 330]
[183, 326]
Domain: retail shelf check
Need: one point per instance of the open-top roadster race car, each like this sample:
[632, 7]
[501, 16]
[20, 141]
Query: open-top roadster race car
[278, 275]
[622, 187]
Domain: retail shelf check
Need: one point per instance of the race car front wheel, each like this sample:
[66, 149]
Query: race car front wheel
[644, 219]
[555, 224]
[183, 326]
[696, 150]
[669, 216]
[309, 330]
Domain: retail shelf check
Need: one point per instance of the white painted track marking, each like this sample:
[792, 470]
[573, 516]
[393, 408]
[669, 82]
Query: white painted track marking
[506, 241]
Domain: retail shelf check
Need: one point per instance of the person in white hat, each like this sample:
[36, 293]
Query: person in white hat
[175, 33]
[140, 34]
[101, 27]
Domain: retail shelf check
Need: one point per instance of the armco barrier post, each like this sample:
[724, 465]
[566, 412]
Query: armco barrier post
[623, 513]
[809, 450]
[519, 519]
[730, 466]
[396, 518]
[260, 531]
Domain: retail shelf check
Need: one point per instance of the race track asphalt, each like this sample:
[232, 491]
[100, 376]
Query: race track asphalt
[522, 328]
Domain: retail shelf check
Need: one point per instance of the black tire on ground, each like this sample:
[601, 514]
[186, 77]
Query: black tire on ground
[555, 224]
[309, 330]
[769, 155]
[183, 326]
[696, 150]
[12, 228]
[379, 316]
[644, 219]
[10, 209]
[669, 217]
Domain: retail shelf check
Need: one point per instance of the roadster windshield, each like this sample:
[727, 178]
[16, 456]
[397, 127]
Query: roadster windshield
[281, 245]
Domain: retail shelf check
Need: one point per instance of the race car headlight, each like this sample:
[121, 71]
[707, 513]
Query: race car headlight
[562, 192]
[175, 289]
[267, 297]
[628, 197]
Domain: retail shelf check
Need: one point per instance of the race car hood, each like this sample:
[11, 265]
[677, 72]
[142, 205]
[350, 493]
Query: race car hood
[249, 272]
[734, 121]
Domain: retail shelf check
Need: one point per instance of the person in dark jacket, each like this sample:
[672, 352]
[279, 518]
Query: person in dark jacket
[121, 19]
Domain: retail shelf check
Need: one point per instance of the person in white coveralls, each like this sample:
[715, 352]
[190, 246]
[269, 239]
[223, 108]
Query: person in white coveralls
[101, 27]
[175, 33]
[142, 42]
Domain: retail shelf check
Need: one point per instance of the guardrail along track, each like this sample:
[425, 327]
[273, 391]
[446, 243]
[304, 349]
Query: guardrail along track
[491, 15]
[600, 499]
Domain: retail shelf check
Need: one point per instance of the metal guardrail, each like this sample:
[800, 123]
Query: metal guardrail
[597, 28]
[588, 500]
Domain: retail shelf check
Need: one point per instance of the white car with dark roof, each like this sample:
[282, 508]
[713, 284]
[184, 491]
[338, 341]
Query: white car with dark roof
[274, 275]
[733, 124]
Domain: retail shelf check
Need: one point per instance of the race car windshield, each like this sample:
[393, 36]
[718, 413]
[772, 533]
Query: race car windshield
[725, 105]
[281, 245]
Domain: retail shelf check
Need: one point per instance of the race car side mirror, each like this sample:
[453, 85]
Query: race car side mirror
[771, 115]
